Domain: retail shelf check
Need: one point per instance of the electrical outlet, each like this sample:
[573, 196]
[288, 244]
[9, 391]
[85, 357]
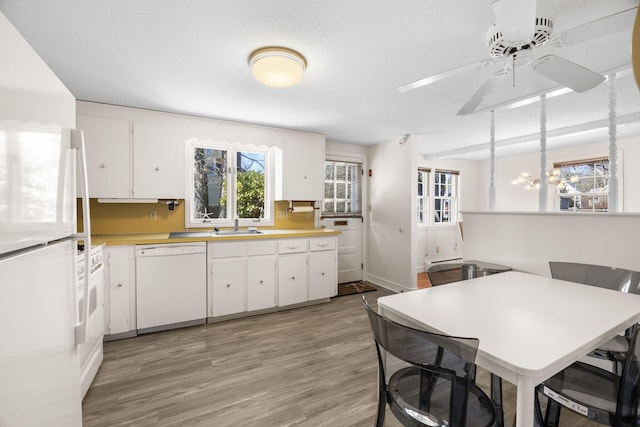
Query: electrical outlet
[153, 215]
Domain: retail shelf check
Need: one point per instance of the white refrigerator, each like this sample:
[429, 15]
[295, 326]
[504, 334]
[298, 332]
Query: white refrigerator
[41, 322]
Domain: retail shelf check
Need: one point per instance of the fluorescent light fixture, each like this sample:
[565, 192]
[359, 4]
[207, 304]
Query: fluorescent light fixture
[533, 99]
[277, 66]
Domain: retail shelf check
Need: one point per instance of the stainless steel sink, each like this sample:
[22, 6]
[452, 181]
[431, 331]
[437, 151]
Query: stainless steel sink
[209, 233]
[236, 232]
[190, 234]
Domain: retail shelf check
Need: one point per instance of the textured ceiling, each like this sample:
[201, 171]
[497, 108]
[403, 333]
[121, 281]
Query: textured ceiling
[190, 57]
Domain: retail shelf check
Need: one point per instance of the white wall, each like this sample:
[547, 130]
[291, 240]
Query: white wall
[391, 215]
[528, 241]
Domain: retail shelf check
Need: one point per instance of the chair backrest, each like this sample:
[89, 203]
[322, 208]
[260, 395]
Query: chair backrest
[629, 391]
[441, 274]
[450, 358]
[418, 347]
[597, 275]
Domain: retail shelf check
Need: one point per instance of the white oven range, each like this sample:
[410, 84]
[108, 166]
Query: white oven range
[90, 352]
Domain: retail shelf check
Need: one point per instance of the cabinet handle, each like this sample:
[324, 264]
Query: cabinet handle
[293, 247]
[323, 273]
[261, 282]
[101, 166]
[119, 285]
[157, 168]
[228, 285]
[323, 245]
[293, 277]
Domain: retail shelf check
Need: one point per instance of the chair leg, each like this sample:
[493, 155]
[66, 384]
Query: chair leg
[382, 402]
[552, 415]
[496, 397]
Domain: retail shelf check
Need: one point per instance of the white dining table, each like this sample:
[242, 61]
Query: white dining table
[530, 327]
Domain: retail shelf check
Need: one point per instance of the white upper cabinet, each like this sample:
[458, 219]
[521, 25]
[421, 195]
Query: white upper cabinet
[302, 168]
[108, 143]
[158, 161]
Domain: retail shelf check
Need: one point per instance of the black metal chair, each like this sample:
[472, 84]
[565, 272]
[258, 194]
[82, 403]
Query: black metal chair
[617, 279]
[598, 394]
[430, 377]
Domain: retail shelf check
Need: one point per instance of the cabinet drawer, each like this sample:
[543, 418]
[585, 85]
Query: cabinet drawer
[322, 244]
[261, 248]
[290, 246]
[226, 250]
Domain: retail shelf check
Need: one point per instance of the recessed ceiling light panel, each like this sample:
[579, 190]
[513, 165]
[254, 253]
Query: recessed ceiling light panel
[277, 66]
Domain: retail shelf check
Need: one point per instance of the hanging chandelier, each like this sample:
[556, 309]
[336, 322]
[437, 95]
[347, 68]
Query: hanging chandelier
[533, 183]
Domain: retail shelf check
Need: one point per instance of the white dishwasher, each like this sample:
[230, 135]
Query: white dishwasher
[171, 286]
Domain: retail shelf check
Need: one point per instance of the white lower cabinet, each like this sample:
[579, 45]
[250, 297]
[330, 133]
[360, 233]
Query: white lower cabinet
[228, 286]
[258, 275]
[322, 275]
[121, 291]
[261, 282]
[292, 279]
[242, 276]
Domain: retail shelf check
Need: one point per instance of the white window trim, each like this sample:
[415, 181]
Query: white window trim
[455, 201]
[267, 219]
[619, 175]
[426, 198]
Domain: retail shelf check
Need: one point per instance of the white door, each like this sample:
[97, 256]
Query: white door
[349, 247]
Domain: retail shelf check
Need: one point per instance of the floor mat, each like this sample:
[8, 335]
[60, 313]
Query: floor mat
[354, 288]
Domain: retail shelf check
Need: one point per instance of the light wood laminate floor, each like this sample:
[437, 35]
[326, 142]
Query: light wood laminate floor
[312, 366]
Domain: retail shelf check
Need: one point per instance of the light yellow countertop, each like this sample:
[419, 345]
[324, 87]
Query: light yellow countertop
[155, 238]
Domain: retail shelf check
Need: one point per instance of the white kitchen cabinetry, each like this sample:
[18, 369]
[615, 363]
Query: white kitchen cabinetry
[133, 159]
[323, 268]
[158, 161]
[108, 154]
[302, 168]
[121, 293]
[241, 277]
[292, 271]
[261, 275]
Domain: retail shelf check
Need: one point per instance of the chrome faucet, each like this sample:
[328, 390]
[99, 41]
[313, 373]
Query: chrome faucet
[235, 224]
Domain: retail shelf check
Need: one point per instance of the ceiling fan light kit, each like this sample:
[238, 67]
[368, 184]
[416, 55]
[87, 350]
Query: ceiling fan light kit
[277, 66]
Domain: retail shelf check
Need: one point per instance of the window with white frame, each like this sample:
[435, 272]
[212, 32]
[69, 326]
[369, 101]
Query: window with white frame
[228, 181]
[423, 196]
[445, 197]
[342, 189]
[583, 185]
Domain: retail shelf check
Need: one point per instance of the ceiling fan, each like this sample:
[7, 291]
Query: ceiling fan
[517, 33]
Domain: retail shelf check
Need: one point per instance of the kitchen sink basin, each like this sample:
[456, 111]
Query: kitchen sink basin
[236, 232]
[190, 234]
[209, 233]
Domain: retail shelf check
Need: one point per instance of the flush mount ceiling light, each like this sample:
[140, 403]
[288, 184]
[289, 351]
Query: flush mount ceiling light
[277, 66]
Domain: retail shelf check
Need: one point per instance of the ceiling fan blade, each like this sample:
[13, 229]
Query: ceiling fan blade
[486, 88]
[567, 73]
[437, 77]
[516, 19]
[621, 21]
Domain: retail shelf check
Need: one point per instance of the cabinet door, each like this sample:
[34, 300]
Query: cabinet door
[303, 175]
[108, 154]
[228, 286]
[261, 282]
[121, 290]
[322, 275]
[158, 161]
[292, 279]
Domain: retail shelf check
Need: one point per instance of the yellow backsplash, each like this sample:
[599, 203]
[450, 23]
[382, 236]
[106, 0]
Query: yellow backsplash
[134, 218]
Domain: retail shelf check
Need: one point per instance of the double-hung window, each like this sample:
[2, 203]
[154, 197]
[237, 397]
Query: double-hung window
[228, 181]
[423, 196]
[445, 197]
[583, 185]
